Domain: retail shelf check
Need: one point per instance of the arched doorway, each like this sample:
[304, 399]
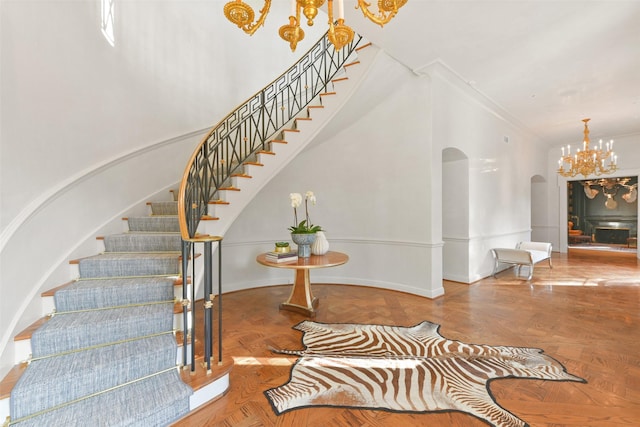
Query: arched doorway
[455, 215]
[539, 230]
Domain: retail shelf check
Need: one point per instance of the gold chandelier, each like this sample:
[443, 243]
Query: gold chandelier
[242, 15]
[588, 161]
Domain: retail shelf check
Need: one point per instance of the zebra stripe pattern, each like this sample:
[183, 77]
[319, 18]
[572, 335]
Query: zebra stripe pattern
[405, 369]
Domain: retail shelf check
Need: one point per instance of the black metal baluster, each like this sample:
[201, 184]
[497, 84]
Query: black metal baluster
[220, 302]
[235, 139]
[193, 308]
[185, 301]
[208, 285]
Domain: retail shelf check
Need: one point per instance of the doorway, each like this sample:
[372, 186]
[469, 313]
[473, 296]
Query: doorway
[602, 215]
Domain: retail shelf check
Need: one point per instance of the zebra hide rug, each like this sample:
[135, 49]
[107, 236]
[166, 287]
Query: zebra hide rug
[405, 369]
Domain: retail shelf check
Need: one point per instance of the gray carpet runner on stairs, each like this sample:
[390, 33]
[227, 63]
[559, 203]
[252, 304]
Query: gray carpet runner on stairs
[108, 355]
[87, 294]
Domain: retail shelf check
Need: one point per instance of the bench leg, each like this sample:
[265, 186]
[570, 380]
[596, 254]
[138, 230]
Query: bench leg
[530, 272]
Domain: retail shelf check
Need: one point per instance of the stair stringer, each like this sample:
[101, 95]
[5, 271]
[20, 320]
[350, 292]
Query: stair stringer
[299, 138]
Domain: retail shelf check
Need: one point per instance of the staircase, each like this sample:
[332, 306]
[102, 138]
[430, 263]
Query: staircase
[110, 352]
[238, 176]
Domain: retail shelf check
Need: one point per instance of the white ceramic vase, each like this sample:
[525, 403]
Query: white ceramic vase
[321, 245]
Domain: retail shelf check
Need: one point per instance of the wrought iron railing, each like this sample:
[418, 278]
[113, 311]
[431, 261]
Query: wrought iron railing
[250, 127]
[236, 140]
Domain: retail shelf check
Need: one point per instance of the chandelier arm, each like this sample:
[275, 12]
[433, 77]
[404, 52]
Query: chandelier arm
[263, 15]
[241, 14]
[384, 16]
[251, 28]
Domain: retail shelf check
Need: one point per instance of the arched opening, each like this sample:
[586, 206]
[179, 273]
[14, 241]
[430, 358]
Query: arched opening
[455, 215]
[539, 231]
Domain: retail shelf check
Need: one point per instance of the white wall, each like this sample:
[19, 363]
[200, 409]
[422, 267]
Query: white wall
[368, 172]
[90, 132]
[502, 158]
[387, 211]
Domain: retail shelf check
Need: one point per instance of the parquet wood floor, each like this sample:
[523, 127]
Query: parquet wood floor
[585, 312]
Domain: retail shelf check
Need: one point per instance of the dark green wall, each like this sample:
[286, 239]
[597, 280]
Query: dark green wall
[587, 214]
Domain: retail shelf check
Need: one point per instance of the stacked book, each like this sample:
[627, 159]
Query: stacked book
[281, 256]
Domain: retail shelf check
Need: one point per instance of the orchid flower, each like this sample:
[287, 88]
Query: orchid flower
[305, 226]
[296, 201]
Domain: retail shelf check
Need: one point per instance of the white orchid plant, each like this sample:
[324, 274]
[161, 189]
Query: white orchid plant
[304, 226]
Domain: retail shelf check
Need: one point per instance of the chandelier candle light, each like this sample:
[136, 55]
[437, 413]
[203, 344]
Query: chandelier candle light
[588, 161]
[242, 15]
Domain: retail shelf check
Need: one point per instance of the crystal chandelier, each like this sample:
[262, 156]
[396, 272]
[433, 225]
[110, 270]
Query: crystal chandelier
[588, 161]
[242, 15]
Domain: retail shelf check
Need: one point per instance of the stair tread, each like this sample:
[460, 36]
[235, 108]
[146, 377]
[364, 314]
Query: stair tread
[177, 281]
[126, 218]
[26, 333]
[110, 292]
[52, 291]
[145, 233]
[11, 379]
[156, 395]
[125, 255]
[143, 242]
[123, 363]
[61, 333]
[195, 380]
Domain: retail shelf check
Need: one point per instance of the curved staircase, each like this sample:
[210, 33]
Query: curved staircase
[110, 349]
[110, 341]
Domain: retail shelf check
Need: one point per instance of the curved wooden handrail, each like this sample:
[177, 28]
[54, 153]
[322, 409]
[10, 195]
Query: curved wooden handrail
[246, 130]
[234, 141]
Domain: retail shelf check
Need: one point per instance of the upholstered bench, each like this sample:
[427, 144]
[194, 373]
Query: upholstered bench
[526, 253]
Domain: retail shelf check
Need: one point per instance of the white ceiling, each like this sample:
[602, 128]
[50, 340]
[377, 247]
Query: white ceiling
[548, 63]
